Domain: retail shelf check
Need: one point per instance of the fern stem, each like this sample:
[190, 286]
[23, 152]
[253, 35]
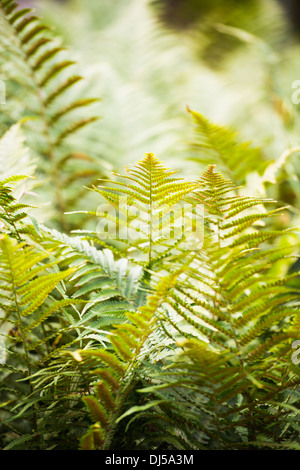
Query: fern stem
[151, 213]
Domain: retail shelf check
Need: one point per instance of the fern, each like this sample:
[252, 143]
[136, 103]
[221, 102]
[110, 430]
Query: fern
[10, 213]
[144, 213]
[35, 66]
[119, 372]
[219, 145]
[224, 302]
[219, 303]
[15, 156]
[235, 369]
[27, 282]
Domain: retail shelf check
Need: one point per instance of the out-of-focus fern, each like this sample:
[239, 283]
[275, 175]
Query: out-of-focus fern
[150, 73]
[144, 78]
[40, 90]
[15, 155]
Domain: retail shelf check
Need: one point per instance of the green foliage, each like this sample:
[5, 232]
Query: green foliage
[203, 20]
[219, 304]
[28, 308]
[143, 212]
[218, 145]
[234, 323]
[168, 321]
[41, 94]
[130, 351]
[11, 211]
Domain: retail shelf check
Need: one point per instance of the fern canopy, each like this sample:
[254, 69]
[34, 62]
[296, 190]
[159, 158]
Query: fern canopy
[228, 324]
[151, 311]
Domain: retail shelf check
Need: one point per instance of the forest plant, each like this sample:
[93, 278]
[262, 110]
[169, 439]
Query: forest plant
[144, 333]
[229, 385]
[235, 372]
[41, 93]
[218, 302]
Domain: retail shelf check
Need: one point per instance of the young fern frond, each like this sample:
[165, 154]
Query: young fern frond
[144, 212]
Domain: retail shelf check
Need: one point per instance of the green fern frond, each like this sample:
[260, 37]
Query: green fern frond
[144, 217]
[237, 319]
[128, 350]
[30, 293]
[220, 145]
[11, 211]
[48, 88]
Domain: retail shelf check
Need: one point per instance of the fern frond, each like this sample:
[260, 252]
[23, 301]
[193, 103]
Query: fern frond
[237, 354]
[145, 216]
[28, 285]
[220, 145]
[128, 342]
[48, 98]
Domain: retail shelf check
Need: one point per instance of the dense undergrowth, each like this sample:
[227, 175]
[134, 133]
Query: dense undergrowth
[152, 310]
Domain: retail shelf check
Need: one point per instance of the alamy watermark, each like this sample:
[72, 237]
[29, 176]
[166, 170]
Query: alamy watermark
[127, 222]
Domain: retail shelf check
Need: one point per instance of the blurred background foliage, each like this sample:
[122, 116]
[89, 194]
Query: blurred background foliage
[147, 60]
